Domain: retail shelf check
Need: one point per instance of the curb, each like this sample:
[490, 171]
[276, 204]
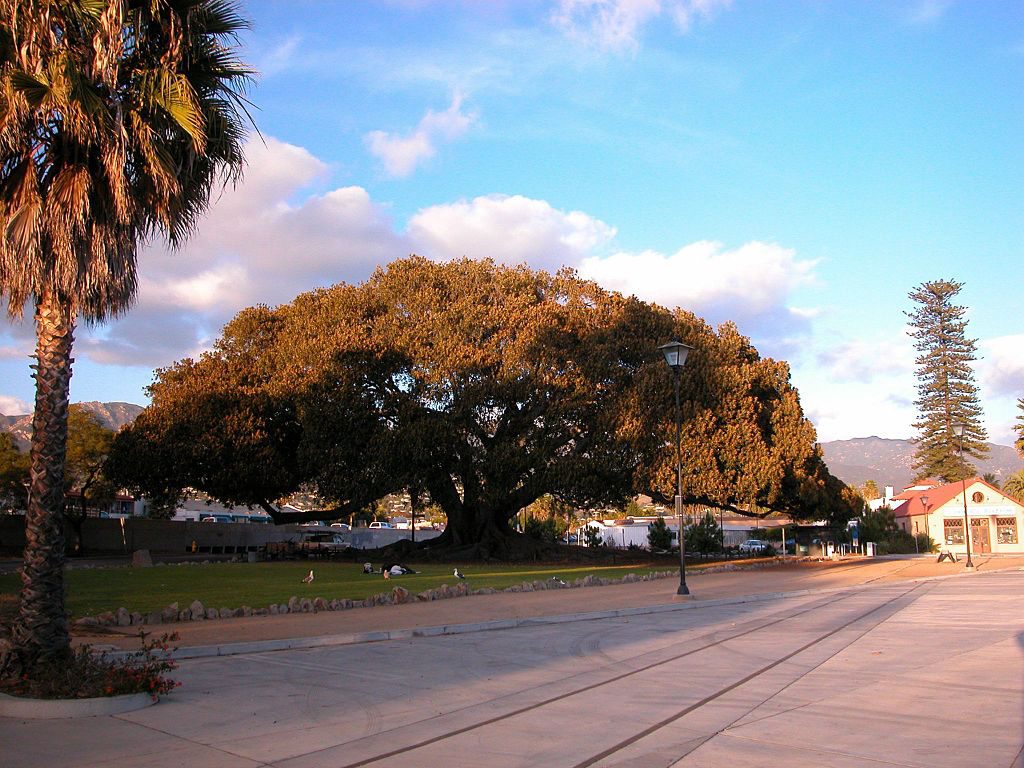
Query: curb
[356, 638]
[49, 709]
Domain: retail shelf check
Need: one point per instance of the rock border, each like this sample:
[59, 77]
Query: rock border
[398, 595]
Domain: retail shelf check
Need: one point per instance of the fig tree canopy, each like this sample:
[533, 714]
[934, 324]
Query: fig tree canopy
[485, 386]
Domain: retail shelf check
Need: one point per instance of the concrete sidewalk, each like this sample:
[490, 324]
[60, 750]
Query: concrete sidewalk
[503, 610]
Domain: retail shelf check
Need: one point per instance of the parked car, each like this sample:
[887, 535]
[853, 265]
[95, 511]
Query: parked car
[378, 524]
[320, 544]
[218, 519]
[343, 526]
[753, 547]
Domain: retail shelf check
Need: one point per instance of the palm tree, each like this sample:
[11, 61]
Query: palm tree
[1014, 486]
[117, 120]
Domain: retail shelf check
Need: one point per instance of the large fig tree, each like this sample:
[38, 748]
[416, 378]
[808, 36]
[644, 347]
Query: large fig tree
[485, 386]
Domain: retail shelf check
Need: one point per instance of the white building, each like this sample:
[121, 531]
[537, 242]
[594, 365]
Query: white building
[995, 518]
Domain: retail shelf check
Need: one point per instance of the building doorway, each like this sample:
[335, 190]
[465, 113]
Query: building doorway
[980, 541]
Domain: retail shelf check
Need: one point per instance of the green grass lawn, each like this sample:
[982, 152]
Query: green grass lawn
[257, 585]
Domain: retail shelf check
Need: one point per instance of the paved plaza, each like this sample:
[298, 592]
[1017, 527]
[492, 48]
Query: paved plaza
[867, 666]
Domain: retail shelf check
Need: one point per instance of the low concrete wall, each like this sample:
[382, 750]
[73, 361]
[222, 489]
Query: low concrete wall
[371, 538]
[174, 537]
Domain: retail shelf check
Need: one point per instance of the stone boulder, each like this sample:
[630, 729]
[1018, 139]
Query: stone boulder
[141, 558]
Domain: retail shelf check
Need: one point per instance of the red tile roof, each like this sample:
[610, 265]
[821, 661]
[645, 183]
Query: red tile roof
[937, 495]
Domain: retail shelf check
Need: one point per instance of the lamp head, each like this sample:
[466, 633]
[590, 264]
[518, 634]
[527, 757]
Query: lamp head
[675, 353]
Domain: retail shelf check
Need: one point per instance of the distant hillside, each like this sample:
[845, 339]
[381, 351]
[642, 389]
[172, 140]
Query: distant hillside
[111, 415]
[887, 461]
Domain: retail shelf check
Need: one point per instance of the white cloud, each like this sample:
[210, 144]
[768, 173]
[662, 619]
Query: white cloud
[272, 238]
[615, 25]
[865, 360]
[12, 406]
[401, 155]
[749, 285]
[1001, 368]
[842, 410]
[508, 229]
[262, 242]
[280, 57]
[928, 11]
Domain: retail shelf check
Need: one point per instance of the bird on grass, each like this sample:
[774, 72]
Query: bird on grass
[308, 579]
[458, 574]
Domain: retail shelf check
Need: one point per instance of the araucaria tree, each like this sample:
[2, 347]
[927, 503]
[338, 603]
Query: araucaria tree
[946, 392]
[1019, 427]
[117, 117]
[487, 387]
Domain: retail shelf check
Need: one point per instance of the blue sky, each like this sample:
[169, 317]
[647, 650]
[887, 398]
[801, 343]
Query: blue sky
[796, 168]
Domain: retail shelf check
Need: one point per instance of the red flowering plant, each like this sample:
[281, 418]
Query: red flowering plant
[84, 674]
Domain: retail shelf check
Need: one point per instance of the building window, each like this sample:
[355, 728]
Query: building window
[1006, 530]
[954, 531]
[977, 497]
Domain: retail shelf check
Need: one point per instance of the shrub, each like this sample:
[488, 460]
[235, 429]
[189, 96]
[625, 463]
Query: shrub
[542, 529]
[704, 536]
[592, 537]
[659, 537]
[84, 674]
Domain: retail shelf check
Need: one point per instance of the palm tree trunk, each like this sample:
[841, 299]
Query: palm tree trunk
[41, 629]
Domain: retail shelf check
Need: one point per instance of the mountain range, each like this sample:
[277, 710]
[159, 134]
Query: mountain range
[888, 461]
[111, 415]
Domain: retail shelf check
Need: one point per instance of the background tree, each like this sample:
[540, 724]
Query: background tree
[659, 537]
[116, 119]
[880, 527]
[13, 474]
[592, 537]
[84, 479]
[1014, 486]
[1019, 427]
[946, 392]
[704, 535]
[877, 525]
[555, 516]
[870, 490]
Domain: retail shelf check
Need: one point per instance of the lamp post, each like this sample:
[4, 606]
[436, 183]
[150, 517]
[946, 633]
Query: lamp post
[924, 506]
[959, 428]
[675, 353]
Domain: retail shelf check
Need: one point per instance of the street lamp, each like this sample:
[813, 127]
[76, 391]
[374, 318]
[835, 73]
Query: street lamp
[675, 355]
[959, 428]
[924, 506]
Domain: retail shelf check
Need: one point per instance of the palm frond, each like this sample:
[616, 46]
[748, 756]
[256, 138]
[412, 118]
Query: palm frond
[35, 89]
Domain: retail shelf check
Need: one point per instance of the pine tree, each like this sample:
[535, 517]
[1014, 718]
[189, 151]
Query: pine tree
[946, 392]
[1019, 427]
